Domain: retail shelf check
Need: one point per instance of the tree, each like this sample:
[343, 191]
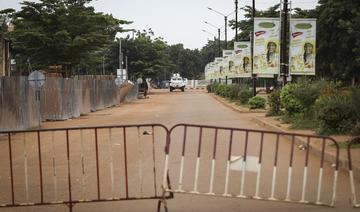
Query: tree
[187, 62]
[245, 26]
[339, 39]
[147, 55]
[62, 32]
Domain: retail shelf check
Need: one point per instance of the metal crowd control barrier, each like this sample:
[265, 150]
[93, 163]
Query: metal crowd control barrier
[351, 173]
[83, 164]
[232, 162]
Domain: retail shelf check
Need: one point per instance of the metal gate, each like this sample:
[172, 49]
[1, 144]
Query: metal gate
[354, 192]
[252, 164]
[75, 165]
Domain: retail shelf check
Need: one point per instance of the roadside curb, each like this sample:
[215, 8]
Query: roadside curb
[328, 156]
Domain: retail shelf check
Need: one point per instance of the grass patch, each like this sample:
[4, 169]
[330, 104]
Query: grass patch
[344, 145]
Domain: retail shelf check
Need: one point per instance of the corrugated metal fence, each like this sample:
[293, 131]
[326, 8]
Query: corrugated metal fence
[61, 98]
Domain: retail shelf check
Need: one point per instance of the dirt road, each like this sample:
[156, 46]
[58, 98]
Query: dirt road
[163, 107]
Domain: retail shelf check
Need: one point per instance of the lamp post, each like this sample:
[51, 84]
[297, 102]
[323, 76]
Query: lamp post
[214, 39]
[236, 20]
[210, 24]
[226, 19]
[284, 66]
[252, 49]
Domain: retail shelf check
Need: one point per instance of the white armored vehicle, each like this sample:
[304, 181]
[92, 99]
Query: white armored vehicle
[177, 82]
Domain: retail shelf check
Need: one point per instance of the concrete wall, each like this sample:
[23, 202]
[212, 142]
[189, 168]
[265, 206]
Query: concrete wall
[61, 99]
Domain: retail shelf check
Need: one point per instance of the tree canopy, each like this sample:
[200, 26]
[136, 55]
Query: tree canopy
[68, 33]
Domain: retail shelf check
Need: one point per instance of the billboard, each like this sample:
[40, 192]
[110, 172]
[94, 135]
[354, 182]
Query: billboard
[228, 53]
[242, 59]
[219, 73]
[228, 63]
[266, 46]
[302, 48]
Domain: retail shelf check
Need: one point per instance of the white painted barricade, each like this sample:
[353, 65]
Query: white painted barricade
[249, 164]
[354, 192]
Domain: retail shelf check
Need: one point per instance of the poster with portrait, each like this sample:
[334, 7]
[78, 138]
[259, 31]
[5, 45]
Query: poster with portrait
[302, 46]
[211, 70]
[219, 67]
[242, 58]
[228, 63]
[206, 71]
[266, 46]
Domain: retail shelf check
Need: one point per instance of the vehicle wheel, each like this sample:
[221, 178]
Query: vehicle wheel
[182, 89]
[171, 89]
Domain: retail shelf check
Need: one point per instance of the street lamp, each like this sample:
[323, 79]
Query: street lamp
[252, 48]
[120, 52]
[212, 25]
[226, 18]
[236, 20]
[214, 39]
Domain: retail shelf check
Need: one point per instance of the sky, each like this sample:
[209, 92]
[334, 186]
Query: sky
[177, 21]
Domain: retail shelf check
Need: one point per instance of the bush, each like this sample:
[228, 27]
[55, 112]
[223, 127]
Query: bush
[234, 90]
[289, 101]
[257, 102]
[244, 96]
[274, 103]
[306, 94]
[335, 114]
[219, 89]
[355, 105]
[210, 88]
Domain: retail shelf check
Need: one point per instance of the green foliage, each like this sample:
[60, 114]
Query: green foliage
[338, 39]
[221, 90]
[274, 102]
[306, 94]
[245, 95]
[187, 62]
[305, 120]
[64, 32]
[257, 102]
[354, 96]
[245, 26]
[324, 106]
[289, 101]
[210, 88]
[234, 92]
[334, 114]
[355, 106]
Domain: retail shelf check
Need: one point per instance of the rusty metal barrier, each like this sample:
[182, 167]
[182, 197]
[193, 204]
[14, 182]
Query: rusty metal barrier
[354, 201]
[75, 165]
[251, 164]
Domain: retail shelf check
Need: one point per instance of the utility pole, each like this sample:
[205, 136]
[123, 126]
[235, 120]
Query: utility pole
[126, 66]
[103, 64]
[214, 46]
[214, 38]
[283, 62]
[252, 50]
[120, 55]
[219, 42]
[225, 18]
[225, 32]
[236, 20]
